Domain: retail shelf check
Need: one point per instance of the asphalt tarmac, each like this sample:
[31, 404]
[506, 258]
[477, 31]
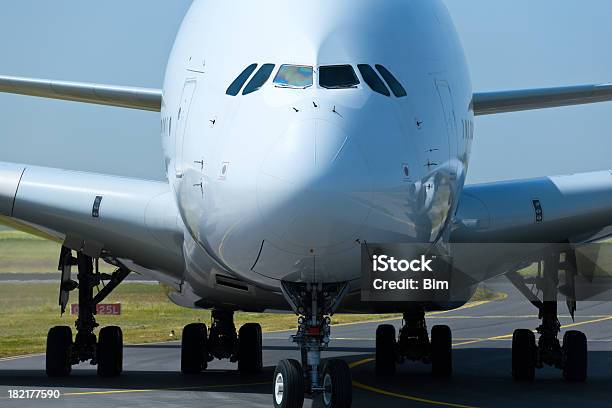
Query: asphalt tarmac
[482, 358]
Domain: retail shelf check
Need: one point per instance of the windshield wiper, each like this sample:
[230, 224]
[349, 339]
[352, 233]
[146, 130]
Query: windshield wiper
[339, 86]
[292, 86]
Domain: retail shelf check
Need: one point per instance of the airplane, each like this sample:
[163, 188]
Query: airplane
[293, 135]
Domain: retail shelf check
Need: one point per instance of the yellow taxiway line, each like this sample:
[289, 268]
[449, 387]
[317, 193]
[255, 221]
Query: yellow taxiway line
[376, 390]
[509, 336]
[356, 384]
[21, 357]
[408, 397]
[390, 319]
[198, 387]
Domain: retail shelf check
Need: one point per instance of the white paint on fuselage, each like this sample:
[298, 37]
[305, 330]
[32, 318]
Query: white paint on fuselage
[302, 188]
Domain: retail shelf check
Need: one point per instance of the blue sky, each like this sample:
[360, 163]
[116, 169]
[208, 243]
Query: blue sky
[509, 43]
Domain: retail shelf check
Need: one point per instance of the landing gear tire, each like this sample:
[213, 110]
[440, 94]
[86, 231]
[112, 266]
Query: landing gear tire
[110, 352]
[288, 391]
[385, 350]
[194, 358]
[336, 379]
[575, 356]
[523, 355]
[59, 348]
[441, 351]
[250, 360]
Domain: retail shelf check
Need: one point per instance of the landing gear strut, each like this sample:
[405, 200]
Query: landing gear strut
[107, 350]
[200, 346]
[414, 344]
[571, 357]
[329, 382]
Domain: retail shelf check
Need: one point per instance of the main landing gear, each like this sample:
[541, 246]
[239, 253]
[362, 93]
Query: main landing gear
[200, 346]
[414, 344]
[527, 354]
[329, 382]
[105, 351]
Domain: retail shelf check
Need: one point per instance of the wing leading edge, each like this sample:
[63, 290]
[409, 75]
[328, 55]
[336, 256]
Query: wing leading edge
[572, 208]
[489, 103]
[121, 96]
[130, 220]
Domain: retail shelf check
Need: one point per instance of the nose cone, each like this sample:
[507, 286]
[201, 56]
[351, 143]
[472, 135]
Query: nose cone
[313, 188]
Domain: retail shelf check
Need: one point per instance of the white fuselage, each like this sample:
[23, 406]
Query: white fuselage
[284, 184]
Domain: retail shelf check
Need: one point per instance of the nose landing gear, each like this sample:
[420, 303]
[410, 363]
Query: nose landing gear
[414, 344]
[328, 383]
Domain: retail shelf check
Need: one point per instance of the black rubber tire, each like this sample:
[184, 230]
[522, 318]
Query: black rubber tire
[338, 373]
[59, 349]
[385, 350]
[524, 354]
[194, 356]
[441, 351]
[292, 377]
[250, 356]
[575, 356]
[110, 352]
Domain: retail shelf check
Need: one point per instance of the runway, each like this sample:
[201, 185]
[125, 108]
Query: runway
[482, 359]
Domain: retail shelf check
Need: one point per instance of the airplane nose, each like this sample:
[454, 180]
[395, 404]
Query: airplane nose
[314, 188]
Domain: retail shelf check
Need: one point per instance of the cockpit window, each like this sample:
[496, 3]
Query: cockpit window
[294, 76]
[396, 87]
[259, 79]
[337, 77]
[236, 86]
[373, 80]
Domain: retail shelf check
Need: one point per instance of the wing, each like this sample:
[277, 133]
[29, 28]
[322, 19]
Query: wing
[116, 218]
[575, 208]
[121, 96]
[501, 228]
[513, 101]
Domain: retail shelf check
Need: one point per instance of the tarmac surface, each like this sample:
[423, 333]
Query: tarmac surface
[482, 357]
